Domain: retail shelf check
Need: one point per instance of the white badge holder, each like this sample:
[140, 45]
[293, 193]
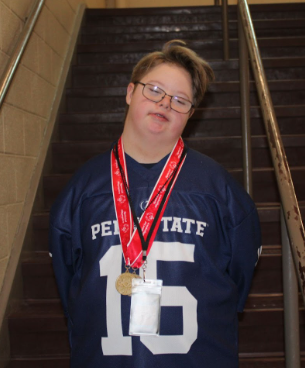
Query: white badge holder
[145, 307]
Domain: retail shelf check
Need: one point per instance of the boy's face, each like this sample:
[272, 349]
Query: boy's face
[152, 120]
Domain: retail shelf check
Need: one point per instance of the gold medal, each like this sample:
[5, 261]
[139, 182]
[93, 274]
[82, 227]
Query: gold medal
[123, 283]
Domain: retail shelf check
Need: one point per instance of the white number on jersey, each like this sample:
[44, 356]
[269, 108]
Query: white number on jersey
[116, 343]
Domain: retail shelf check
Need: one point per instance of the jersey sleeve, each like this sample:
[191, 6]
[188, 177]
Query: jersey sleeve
[60, 244]
[246, 246]
[245, 240]
[64, 242]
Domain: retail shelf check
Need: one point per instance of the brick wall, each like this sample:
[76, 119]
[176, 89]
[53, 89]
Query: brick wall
[24, 114]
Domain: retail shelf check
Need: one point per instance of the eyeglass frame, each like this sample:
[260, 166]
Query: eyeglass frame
[165, 94]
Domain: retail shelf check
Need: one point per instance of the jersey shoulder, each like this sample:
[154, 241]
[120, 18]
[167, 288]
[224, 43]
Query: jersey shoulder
[204, 177]
[92, 179]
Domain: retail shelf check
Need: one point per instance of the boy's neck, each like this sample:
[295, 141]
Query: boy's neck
[147, 152]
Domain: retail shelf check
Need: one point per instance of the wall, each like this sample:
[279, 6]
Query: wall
[24, 114]
[97, 3]
[26, 123]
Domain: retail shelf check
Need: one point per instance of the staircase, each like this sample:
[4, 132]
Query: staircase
[112, 41]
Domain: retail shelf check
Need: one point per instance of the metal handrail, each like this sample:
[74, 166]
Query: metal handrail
[18, 50]
[245, 108]
[293, 251]
[291, 302]
[289, 201]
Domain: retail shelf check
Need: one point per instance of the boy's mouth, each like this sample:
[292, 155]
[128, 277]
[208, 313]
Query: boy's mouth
[161, 116]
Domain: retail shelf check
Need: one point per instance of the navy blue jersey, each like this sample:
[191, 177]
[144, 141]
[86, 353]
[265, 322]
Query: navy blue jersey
[205, 252]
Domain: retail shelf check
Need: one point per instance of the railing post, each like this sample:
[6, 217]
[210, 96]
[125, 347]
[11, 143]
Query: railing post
[291, 302]
[245, 106]
[225, 30]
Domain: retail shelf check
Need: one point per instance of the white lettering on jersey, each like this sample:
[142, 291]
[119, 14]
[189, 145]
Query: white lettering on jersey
[200, 227]
[188, 225]
[177, 225]
[172, 224]
[116, 343]
[165, 221]
[95, 230]
[106, 228]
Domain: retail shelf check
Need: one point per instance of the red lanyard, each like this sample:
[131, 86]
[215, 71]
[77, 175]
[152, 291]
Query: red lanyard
[137, 243]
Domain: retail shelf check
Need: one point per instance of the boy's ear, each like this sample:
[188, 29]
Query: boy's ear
[129, 93]
[191, 112]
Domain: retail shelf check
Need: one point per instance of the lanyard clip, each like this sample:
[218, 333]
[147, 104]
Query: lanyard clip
[144, 266]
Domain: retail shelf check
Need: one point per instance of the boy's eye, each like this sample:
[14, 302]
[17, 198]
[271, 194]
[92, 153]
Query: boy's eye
[179, 101]
[154, 90]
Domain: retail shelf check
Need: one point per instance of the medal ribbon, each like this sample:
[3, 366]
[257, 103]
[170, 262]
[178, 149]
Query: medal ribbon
[137, 243]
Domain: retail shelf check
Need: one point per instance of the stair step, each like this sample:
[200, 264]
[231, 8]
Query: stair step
[219, 94]
[63, 362]
[118, 75]
[208, 49]
[259, 24]
[192, 14]
[38, 277]
[265, 188]
[267, 362]
[104, 34]
[216, 87]
[39, 281]
[40, 234]
[206, 122]
[40, 328]
[69, 156]
[269, 217]
[41, 362]
[258, 330]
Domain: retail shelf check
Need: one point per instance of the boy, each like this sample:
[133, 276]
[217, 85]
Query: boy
[150, 203]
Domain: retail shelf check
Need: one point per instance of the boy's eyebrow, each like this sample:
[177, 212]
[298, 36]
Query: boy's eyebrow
[161, 85]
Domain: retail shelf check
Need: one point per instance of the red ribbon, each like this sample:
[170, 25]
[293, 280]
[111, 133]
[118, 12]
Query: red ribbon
[130, 239]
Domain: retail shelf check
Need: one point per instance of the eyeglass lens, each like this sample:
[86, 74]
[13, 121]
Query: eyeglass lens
[156, 94]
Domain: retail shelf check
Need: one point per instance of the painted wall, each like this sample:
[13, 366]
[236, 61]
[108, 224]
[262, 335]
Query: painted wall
[96, 3]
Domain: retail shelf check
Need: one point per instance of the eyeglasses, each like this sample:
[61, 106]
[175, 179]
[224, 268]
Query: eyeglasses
[156, 94]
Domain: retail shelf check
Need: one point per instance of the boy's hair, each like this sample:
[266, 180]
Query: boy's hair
[175, 52]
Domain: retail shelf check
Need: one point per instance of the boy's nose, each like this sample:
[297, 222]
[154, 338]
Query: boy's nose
[165, 102]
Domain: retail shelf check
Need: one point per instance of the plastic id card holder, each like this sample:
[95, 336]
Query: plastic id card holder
[145, 307]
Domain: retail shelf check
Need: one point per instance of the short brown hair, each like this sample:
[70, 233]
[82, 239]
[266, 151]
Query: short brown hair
[176, 52]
